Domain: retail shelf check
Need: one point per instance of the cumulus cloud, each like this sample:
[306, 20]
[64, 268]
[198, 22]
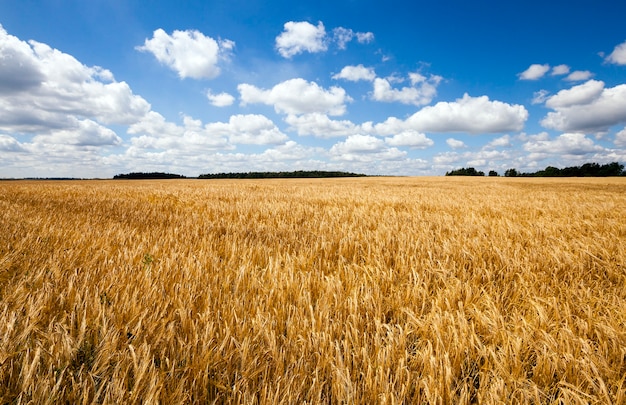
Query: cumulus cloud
[290, 151]
[299, 37]
[342, 36]
[620, 138]
[302, 36]
[422, 90]
[154, 132]
[10, 144]
[447, 159]
[297, 96]
[541, 136]
[364, 148]
[618, 56]
[359, 143]
[45, 90]
[539, 97]
[579, 76]
[253, 129]
[356, 73]
[468, 114]
[320, 125]
[534, 72]
[501, 142]
[588, 107]
[221, 99]
[565, 144]
[189, 53]
[20, 69]
[581, 94]
[364, 37]
[410, 138]
[84, 133]
[455, 143]
[560, 70]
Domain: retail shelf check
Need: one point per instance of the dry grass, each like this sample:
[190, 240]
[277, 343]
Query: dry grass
[417, 290]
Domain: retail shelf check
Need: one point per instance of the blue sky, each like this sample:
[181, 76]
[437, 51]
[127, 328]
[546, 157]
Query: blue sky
[96, 88]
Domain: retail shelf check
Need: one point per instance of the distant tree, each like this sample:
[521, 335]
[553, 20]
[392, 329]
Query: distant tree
[493, 173]
[470, 171]
[280, 175]
[549, 171]
[586, 170]
[511, 173]
[612, 169]
[148, 176]
[590, 169]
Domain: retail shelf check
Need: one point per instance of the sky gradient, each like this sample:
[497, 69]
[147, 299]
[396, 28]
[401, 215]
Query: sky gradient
[93, 89]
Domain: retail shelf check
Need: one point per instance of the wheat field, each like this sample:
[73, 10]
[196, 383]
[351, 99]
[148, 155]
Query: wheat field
[318, 291]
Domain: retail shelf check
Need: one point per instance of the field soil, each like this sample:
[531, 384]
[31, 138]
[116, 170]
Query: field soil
[318, 291]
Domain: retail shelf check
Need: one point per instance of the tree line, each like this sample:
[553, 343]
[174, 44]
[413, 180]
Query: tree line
[244, 175]
[299, 174]
[586, 170]
[148, 176]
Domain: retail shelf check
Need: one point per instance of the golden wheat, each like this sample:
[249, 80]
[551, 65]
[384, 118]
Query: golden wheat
[374, 290]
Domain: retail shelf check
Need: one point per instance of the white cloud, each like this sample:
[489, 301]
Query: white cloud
[447, 159]
[391, 126]
[541, 136]
[297, 96]
[579, 76]
[468, 114]
[20, 69]
[359, 143]
[221, 99]
[455, 143]
[421, 91]
[190, 53]
[539, 97]
[301, 37]
[84, 133]
[412, 139]
[364, 37]
[581, 94]
[501, 142]
[477, 163]
[534, 72]
[154, 124]
[44, 90]
[290, 151]
[565, 144]
[620, 138]
[10, 144]
[319, 125]
[560, 70]
[154, 132]
[356, 73]
[589, 107]
[364, 148]
[341, 36]
[618, 56]
[59, 153]
[249, 129]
